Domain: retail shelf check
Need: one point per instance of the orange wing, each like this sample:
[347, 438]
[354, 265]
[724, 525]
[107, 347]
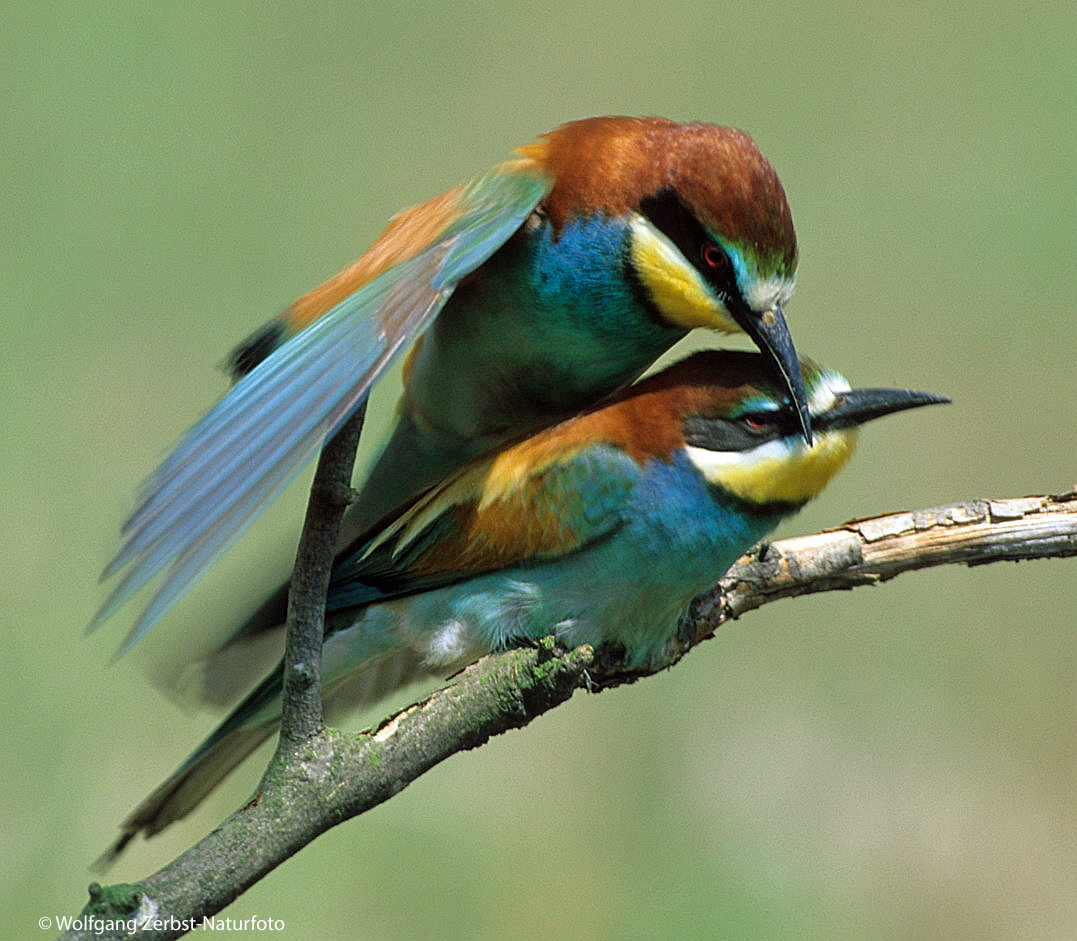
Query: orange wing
[543, 499]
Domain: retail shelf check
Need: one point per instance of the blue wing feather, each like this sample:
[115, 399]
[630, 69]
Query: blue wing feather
[238, 458]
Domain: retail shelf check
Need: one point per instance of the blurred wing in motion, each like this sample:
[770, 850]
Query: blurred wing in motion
[238, 458]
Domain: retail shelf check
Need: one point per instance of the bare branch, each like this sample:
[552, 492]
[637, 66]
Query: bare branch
[329, 497]
[333, 776]
[868, 551]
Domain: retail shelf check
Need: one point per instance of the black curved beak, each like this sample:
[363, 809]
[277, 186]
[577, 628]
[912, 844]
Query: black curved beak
[771, 335]
[858, 406]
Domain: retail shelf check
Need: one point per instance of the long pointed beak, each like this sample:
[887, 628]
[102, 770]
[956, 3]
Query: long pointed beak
[771, 334]
[862, 405]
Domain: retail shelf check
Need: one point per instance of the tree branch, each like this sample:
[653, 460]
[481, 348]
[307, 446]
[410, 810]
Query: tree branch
[876, 549]
[329, 776]
[330, 495]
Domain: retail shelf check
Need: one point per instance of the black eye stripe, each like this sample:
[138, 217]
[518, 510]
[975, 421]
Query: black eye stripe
[737, 434]
[667, 214]
[718, 435]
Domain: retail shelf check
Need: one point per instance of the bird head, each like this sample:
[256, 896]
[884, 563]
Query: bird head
[737, 425]
[711, 237]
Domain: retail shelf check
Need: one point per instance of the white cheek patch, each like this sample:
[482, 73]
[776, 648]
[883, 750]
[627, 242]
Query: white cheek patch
[717, 467]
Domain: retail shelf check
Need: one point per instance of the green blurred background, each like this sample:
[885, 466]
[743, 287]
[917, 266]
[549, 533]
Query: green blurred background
[893, 763]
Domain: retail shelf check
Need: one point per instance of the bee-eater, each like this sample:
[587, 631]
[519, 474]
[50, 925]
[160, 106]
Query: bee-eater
[535, 291]
[600, 530]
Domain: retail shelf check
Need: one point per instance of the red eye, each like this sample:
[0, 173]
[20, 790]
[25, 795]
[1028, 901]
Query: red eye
[713, 256]
[757, 421]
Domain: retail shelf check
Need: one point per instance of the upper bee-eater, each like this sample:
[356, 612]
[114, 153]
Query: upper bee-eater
[535, 291]
[599, 530]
